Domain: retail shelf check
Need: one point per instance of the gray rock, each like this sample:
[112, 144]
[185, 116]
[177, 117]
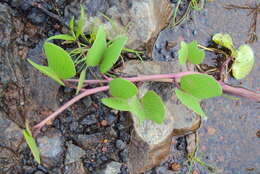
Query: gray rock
[75, 168]
[151, 142]
[88, 141]
[74, 153]
[89, 120]
[111, 168]
[51, 147]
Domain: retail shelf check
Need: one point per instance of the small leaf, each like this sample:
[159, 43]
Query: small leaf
[80, 22]
[153, 107]
[98, 48]
[201, 86]
[61, 37]
[72, 27]
[112, 54]
[122, 88]
[116, 103]
[32, 144]
[244, 62]
[46, 71]
[59, 61]
[191, 102]
[224, 40]
[81, 80]
[190, 52]
[137, 109]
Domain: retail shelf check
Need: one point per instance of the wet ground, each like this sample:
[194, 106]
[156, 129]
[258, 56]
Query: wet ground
[227, 140]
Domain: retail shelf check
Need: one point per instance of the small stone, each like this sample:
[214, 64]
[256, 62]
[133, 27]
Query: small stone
[124, 155]
[36, 16]
[73, 126]
[87, 101]
[111, 168]
[111, 118]
[211, 131]
[120, 144]
[104, 123]
[89, 120]
[39, 172]
[75, 168]
[175, 166]
[195, 172]
[89, 141]
[74, 153]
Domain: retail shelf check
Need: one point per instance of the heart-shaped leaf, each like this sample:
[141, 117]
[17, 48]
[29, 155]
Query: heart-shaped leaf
[98, 48]
[137, 109]
[46, 71]
[122, 88]
[112, 54]
[191, 102]
[153, 107]
[201, 86]
[59, 61]
[116, 103]
[244, 62]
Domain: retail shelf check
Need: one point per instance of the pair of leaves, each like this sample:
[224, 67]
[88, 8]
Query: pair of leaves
[124, 98]
[31, 143]
[102, 54]
[244, 56]
[60, 65]
[196, 87]
[190, 52]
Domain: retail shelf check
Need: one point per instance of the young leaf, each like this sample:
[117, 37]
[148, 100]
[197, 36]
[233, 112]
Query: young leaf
[224, 40]
[59, 61]
[62, 37]
[116, 103]
[72, 27]
[122, 88]
[112, 53]
[137, 109]
[81, 80]
[32, 144]
[98, 48]
[80, 22]
[46, 71]
[153, 107]
[244, 62]
[201, 86]
[191, 102]
[190, 52]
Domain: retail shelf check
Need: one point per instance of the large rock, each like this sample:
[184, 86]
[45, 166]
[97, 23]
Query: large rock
[74, 153]
[142, 20]
[151, 142]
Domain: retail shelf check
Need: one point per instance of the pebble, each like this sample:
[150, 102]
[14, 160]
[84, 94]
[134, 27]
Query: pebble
[124, 155]
[120, 144]
[111, 118]
[175, 166]
[87, 101]
[89, 120]
[73, 126]
[36, 16]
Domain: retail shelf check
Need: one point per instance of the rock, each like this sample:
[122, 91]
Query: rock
[89, 141]
[8, 161]
[74, 153]
[111, 168]
[75, 168]
[141, 20]
[51, 147]
[120, 144]
[89, 120]
[151, 142]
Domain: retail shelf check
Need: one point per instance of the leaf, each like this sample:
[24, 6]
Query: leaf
[244, 62]
[81, 80]
[32, 144]
[62, 37]
[98, 48]
[191, 102]
[116, 103]
[201, 86]
[137, 109]
[122, 88]
[80, 22]
[224, 40]
[153, 107]
[59, 61]
[190, 52]
[72, 27]
[112, 54]
[46, 71]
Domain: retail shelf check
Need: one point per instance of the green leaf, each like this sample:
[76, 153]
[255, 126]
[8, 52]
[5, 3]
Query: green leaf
[46, 71]
[201, 86]
[153, 107]
[32, 144]
[244, 62]
[224, 40]
[81, 80]
[80, 22]
[61, 37]
[191, 102]
[59, 61]
[137, 109]
[72, 27]
[190, 52]
[112, 54]
[98, 48]
[116, 103]
[122, 88]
